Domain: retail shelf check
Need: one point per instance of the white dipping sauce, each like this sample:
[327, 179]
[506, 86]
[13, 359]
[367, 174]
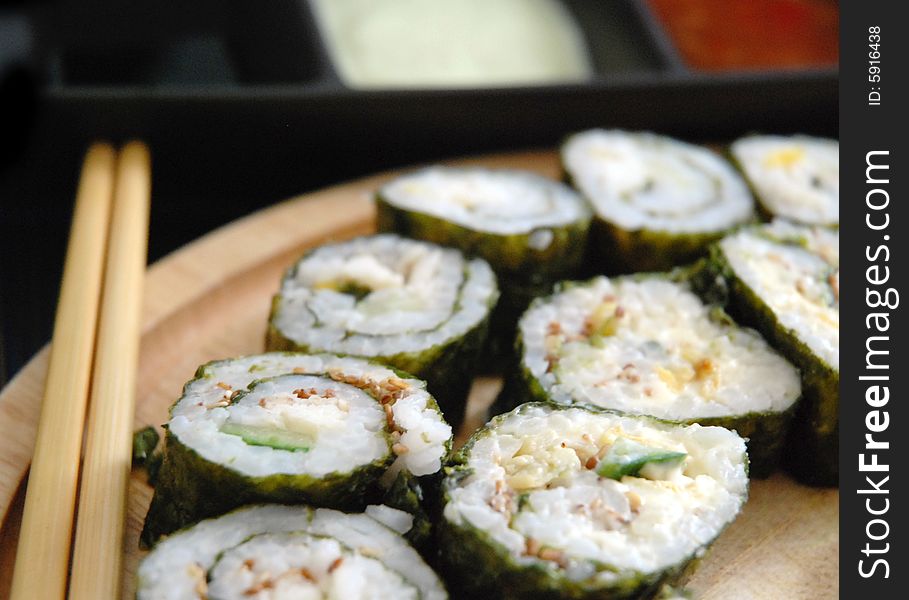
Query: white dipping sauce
[452, 43]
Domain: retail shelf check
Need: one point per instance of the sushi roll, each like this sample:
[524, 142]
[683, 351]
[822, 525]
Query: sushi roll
[293, 428]
[412, 305]
[658, 202]
[793, 177]
[528, 227]
[273, 551]
[553, 501]
[783, 279]
[532, 230]
[650, 346]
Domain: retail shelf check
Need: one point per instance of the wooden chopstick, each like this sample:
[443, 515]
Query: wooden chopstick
[42, 555]
[98, 552]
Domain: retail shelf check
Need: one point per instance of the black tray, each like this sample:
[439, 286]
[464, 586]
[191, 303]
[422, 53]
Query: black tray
[247, 87]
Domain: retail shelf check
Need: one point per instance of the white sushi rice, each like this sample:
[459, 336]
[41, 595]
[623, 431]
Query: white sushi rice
[795, 177]
[643, 181]
[394, 519]
[650, 347]
[504, 202]
[419, 295]
[795, 271]
[532, 489]
[179, 566]
[302, 567]
[346, 424]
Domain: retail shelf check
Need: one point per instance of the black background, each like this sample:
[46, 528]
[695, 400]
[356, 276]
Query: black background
[862, 129]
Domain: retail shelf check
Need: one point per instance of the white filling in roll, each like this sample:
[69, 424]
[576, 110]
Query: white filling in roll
[651, 347]
[382, 295]
[493, 201]
[795, 271]
[535, 488]
[374, 558]
[302, 567]
[313, 414]
[645, 181]
[794, 177]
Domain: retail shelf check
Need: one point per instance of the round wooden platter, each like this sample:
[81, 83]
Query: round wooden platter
[210, 300]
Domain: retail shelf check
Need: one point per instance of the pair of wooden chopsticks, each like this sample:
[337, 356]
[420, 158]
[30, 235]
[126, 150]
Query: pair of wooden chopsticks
[94, 351]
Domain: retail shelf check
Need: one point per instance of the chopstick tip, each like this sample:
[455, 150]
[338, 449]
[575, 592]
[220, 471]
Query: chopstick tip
[101, 150]
[136, 147]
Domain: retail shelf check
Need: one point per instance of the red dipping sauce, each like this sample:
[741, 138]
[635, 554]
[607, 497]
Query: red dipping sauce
[716, 35]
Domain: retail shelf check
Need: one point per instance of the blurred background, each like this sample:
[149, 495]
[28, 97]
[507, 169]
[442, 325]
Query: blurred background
[245, 103]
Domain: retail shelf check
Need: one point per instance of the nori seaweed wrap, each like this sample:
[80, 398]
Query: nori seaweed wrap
[409, 304]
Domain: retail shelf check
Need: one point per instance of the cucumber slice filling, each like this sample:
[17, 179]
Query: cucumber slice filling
[628, 457]
[269, 436]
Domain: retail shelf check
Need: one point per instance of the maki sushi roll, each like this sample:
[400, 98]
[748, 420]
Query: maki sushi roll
[783, 279]
[292, 428]
[532, 230]
[412, 305]
[658, 202]
[793, 177]
[528, 227]
[273, 551]
[650, 346]
[574, 502]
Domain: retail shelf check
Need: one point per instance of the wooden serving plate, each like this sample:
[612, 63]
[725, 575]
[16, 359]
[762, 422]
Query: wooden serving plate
[210, 300]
